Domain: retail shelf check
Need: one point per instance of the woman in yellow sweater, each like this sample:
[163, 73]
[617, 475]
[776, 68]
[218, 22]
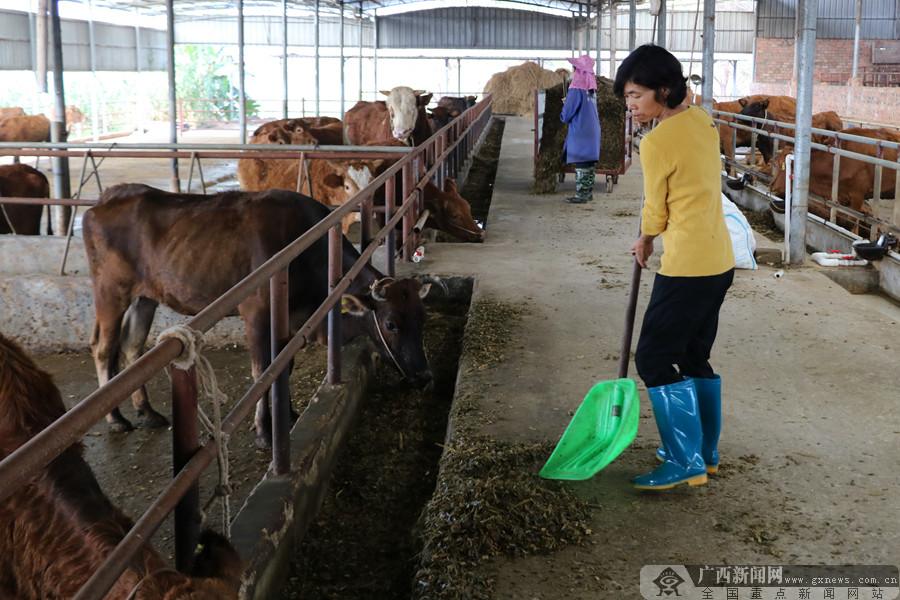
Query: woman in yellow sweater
[682, 204]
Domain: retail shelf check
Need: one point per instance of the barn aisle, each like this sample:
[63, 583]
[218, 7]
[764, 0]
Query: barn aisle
[810, 435]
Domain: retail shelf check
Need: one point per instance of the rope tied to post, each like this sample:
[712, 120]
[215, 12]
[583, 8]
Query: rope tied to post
[192, 342]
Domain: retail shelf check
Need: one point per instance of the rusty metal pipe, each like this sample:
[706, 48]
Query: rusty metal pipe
[280, 396]
[335, 266]
[420, 224]
[389, 191]
[185, 443]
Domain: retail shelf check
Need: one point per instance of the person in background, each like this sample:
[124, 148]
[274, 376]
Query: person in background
[682, 204]
[579, 112]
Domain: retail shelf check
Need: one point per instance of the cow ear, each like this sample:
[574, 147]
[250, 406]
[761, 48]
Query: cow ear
[424, 100]
[423, 291]
[742, 102]
[352, 305]
[385, 93]
[333, 180]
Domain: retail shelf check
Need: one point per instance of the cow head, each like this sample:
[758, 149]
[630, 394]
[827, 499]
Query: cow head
[346, 179]
[403, 106]
[440, 117]
[395, 320]
[777, 185]
[453, 214]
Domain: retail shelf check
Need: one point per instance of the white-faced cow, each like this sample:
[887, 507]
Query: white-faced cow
[401, 116]
[147, 247]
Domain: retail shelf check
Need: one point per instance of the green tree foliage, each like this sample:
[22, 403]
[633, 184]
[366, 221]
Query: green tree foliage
[204, 86]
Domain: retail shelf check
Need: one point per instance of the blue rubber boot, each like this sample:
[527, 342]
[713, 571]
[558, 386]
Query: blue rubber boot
[709, 398]
[677, 415]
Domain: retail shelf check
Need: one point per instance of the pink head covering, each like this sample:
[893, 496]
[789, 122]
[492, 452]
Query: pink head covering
[583, 79]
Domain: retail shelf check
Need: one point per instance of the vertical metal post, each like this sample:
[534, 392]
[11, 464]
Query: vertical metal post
[574, 25]
[599, 37]
[58, 126]
[138, 88]
[242, 96]
[613, 34]
[365, 223]
[335, 264]
[709, 49]
[375, 52]
[280, 394]
[360, 51]
[284, 59]
[316, 41]
[632, 25]
[459, 77]
[95, 108]
[40, 32]
[341, 42]
[390, 188]
[856, 29]
[173, 104]
[806, 43]
[406, 181]
[661, 33]
[185, 443]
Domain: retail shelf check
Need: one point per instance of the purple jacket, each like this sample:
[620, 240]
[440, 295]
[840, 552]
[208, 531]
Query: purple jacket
[583, 139]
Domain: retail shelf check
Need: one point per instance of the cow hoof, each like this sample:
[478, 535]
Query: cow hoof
[152, 420]
[123, 426]
[263, 443]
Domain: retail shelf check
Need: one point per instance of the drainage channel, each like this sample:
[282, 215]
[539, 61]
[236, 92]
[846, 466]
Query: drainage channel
[479, 187]
[363, 542]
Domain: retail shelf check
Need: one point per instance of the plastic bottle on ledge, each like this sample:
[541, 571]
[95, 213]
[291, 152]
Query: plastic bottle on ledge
[419, 254]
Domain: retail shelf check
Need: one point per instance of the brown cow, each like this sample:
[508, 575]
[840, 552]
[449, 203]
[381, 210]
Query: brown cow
[60, 527]
[146, 247]
[857, 179]
[11, 111]
[829, 120]
[22, 181]
[314, 131]
[32, 128]
[451, 213]
[331, 182]
[402, 117]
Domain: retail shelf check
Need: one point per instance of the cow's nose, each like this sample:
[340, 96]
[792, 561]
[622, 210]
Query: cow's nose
[402, 135]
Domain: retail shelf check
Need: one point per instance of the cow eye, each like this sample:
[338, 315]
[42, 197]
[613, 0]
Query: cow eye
[390, 326]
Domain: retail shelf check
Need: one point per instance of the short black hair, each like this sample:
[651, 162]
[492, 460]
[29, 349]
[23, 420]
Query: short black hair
[656, 68]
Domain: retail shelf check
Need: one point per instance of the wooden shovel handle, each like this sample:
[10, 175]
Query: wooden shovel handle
[625, 353]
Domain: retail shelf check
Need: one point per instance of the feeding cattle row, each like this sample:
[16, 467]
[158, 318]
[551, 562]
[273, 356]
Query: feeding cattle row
[856, 178]
[147, 247]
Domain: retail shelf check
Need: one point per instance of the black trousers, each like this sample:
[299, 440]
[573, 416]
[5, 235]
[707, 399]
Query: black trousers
[680, 327]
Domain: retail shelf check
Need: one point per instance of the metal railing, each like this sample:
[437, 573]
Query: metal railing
[757, 128]
[441, 156]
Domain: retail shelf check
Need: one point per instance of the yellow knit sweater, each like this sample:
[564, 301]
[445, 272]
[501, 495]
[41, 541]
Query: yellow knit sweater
[682, 195]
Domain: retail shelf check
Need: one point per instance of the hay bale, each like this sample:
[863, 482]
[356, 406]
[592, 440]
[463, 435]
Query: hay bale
[513, 89]
[553, 135]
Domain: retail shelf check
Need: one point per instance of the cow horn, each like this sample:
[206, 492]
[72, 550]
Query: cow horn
[436, 280]
[378, 285]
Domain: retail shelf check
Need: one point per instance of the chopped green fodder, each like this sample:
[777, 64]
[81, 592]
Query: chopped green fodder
[490, 502]
[553, 135]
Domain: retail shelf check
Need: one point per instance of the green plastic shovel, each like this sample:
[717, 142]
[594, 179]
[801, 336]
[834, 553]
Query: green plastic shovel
[607, 421]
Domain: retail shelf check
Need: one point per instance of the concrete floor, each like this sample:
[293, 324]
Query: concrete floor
[810, 440]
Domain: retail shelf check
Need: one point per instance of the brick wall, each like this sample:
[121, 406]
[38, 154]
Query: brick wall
[853, 103]
[774, 60]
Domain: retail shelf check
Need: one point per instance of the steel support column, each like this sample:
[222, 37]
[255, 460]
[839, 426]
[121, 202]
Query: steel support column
[175, 184]
[341, 42]
[360, 51]
[375, 53]
[661, 33]
[284, 59]
[856, 29]
[316, 27]
[709, 48]
[138, 92]
[95, 102]
[806, 44]
[613, 34]
[599, 37]
[632, 25]
[58, 126]
[242, 94]
[40, 32]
